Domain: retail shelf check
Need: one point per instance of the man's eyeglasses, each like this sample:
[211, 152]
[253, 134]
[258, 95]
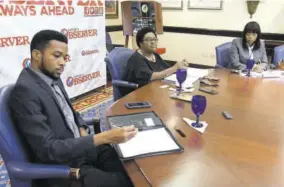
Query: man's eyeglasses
[151, 40]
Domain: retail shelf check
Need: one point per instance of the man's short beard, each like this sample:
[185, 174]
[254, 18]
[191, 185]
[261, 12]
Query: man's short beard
[44, 70]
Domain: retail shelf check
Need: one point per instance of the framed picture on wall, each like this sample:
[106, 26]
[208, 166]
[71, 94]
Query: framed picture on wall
[205, 4]
[111, 9]
[172, 4]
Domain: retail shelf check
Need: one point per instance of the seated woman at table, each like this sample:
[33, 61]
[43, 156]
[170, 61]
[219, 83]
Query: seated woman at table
[249, 47]
[145, 64]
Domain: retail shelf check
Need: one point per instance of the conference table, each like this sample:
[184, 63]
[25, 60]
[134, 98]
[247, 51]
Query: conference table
[247, 151]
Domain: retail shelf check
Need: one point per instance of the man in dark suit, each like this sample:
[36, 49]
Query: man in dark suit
[56, 133]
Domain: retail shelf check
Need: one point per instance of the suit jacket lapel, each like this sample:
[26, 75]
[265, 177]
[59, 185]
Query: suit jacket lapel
[47, 88]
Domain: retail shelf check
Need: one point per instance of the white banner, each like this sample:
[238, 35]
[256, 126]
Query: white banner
[82, 21]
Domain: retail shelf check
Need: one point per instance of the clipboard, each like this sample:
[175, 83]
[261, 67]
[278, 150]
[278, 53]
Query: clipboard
[118, 147]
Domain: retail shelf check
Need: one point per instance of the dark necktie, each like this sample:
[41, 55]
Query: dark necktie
[67, 111]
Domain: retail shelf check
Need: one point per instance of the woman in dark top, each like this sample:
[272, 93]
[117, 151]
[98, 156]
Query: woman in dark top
[145, 64]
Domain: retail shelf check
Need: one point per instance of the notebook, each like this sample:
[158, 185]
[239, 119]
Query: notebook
[153, 137]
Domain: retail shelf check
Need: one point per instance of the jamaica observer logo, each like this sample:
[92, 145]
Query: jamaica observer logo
[75, 33]
[79, 79]
[89, 52]
[69, 81]
[26, 63]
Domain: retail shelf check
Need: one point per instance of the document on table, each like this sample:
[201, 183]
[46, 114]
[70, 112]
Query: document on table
[149, 141]
[194, 72]
[171, 78]
[188, 83]
[272, 74]
[252, 74]
[266, 74]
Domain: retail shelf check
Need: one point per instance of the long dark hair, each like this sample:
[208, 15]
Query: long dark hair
[252, 27]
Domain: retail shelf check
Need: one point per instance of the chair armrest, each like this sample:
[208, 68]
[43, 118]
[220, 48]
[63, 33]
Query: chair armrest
[95, 122]
[220, 67]
[124, 84]
[118, 45]
[25, 170]
[91, 121]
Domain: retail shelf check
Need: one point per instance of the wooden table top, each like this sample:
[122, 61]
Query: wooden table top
[245, 151]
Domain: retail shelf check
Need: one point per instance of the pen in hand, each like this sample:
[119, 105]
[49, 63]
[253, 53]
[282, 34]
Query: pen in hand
[116, 127]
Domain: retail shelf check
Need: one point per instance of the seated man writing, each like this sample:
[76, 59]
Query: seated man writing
[145, 65]
[55, 133]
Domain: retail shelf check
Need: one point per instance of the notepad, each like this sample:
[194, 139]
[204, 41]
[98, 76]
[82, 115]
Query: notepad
[149, 141]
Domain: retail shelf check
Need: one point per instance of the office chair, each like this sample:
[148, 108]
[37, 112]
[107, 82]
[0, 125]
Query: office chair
[278, 54]
[108, 38]
[223, 55]
[116, 62]
[16, 155]
[109, 45]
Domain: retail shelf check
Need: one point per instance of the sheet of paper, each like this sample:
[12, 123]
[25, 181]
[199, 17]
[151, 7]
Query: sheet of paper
[149, 122]
[272, 74]
[188, 83]
[164, 86]
[194, 72]
[266, 74]
[201, 130]
[252, 74]
[171, 78]
[149, 141]
[191, 72]
[184, 90]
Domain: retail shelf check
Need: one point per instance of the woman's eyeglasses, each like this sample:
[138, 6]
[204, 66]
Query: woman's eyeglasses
[251, 34]
[151, 40]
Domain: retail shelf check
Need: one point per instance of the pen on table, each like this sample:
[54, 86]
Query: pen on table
[145, 176]
[148, 180]
[180, 132]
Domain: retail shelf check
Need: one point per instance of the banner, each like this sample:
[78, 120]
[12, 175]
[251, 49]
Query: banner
[82, 21]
